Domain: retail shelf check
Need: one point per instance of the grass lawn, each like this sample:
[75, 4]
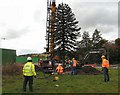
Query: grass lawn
[66, 84]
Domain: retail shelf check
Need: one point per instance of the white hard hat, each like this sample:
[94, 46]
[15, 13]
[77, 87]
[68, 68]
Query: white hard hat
[29, 58]
[59, 64]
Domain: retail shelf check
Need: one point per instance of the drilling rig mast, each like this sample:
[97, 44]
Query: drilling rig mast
[50, 24]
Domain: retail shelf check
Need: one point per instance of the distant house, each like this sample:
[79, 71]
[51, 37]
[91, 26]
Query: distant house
[7, 56]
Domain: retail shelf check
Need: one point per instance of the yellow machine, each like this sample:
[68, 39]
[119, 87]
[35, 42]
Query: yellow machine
[52, 21]
[51, 10]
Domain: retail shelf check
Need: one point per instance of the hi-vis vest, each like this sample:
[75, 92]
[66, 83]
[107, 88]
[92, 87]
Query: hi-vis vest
[105, 63]
[74, 63]
[29, 69]
[59, 69]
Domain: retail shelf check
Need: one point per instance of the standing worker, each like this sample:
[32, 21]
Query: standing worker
[28, 73]
[53, 64]
[105, 67]
[74, 64]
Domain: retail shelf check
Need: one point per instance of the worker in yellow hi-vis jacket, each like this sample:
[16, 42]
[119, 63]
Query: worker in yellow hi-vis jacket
[28, 73]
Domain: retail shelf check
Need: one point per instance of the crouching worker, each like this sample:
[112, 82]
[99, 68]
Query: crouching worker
[28, 73]
[59, 69]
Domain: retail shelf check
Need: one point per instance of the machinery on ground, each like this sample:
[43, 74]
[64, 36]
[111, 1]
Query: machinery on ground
[50, 28]
[101, 51]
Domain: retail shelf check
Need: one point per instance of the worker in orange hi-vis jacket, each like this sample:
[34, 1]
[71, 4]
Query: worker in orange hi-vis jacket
[59, 69]
[105, 67]
[74, 64]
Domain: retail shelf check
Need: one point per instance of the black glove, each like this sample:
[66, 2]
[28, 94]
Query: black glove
[34, 76]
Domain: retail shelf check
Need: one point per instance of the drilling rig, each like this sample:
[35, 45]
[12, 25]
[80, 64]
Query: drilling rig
[50, 27]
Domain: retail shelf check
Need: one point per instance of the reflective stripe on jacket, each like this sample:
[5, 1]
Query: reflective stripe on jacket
[29, 69]
[105, 63]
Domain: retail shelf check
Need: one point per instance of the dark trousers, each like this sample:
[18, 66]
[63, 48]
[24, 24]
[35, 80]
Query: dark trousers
[74, 70]
[26, 80]
[106, 74]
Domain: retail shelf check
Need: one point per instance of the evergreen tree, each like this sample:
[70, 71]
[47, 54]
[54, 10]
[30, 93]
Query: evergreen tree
[86, 42]
[67, 31]
[117, 41]
[96, 38]
[84, 45]
[117, 53]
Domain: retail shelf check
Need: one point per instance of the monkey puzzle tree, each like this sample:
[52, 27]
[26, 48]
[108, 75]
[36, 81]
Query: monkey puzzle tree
[67, 31]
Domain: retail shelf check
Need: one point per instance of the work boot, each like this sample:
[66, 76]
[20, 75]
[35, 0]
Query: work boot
[24, 91]
[108, 80]
[105, 81]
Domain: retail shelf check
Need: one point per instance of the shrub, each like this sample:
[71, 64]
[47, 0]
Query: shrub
[11, 69]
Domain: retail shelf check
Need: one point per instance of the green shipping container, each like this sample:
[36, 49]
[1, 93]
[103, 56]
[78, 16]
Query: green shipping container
[8, 56]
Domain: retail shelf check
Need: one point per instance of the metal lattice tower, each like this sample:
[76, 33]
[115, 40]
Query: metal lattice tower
[48, 25]
[51, 9]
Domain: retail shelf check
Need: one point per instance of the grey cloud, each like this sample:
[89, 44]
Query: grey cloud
[37, 16]
[100, 15]
[14, 33]
[40, 16]
[92, 14]
[2, 24]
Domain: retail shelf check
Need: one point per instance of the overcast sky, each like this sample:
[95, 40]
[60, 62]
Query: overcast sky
[23, 22]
